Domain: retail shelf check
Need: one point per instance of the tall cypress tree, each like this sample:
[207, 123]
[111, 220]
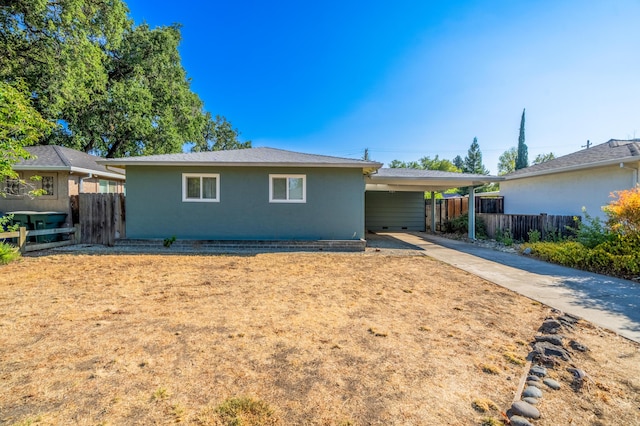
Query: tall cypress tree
[522, 160]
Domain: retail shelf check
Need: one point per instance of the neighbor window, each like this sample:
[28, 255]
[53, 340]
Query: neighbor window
[200, 187]
[107, 187]
[12, 186]
[287, 189]
[48, 185]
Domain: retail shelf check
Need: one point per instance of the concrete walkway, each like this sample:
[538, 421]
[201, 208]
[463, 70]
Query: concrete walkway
[605, 301]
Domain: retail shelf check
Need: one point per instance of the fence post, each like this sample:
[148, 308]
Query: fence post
[76, 235]
[22, 239]
[543, 225]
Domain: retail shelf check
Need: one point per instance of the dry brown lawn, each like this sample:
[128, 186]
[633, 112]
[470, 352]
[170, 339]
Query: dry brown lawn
[326, 339]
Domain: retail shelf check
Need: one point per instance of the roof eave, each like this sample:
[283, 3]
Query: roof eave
[575, 167]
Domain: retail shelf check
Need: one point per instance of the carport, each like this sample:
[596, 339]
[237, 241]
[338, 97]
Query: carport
[395, 197]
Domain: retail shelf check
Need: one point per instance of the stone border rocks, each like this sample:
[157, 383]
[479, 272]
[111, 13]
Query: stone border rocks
[548, 352]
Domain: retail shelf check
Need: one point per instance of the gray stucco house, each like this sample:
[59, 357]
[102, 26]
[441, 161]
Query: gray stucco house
[272, 194]
[246, 194]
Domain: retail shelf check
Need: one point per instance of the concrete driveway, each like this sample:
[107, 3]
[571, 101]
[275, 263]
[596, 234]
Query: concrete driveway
[608, 302]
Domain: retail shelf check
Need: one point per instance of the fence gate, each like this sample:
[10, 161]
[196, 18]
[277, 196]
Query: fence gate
[101, 218]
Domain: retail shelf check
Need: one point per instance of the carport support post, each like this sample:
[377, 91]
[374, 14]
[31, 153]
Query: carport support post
[472, 214]
[433, 212]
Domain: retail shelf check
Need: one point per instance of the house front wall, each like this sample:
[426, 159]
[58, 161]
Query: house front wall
[57, 202]
[566, 193]
[334, 206]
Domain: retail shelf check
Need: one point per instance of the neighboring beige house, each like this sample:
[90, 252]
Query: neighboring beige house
[566, 184]
[64, 172]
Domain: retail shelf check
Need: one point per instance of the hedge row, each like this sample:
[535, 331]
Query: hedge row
[619, 257]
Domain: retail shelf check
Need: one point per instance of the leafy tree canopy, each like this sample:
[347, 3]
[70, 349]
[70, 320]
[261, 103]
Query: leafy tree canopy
[219, 135]
[427, 163]
[507, 161]
[116, 89]
[20, 126]
[541, 158]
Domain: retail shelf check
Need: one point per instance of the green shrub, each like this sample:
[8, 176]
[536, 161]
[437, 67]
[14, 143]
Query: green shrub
[618, 256]
[534, 236]
[591, 231]
[460, 225]
[504, 237]
[5, 224]
[8, 253]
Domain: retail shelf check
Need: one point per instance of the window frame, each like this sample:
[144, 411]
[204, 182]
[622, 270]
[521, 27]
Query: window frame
[54, 184]
[185, 176]
[287, 177]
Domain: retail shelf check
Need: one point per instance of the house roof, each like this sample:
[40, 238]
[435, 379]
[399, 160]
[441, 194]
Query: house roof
[253, 157]
[612, 152]
[400, 179]
[59, 158]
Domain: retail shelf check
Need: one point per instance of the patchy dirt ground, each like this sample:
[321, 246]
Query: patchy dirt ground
[327, 339]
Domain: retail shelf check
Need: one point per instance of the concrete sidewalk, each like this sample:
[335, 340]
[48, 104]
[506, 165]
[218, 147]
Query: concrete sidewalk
[608, 302]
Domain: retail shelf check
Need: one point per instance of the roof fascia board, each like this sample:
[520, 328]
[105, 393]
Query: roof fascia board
[69, 169]
[405, 188]
[405, 180]
[372, 166]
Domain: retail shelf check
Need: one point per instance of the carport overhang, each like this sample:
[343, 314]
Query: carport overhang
[411, 180]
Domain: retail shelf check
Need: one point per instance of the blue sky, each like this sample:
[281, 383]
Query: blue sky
[407, 78]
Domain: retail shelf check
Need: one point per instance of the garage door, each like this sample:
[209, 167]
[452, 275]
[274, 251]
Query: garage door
[394, 211]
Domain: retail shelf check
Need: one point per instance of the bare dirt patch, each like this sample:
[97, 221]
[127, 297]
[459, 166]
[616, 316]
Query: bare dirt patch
[335, 339]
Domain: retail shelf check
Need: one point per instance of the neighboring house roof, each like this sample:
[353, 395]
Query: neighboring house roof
[608, 153]
[59, 158]
[401, 179]
[253, 157]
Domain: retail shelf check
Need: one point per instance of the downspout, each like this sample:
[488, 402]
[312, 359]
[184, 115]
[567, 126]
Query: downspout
[635, 175]
[82, 182]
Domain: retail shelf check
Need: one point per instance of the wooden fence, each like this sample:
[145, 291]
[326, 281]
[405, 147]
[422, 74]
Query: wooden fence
[449, 208]
[101, 217]
[22, 236]
[520, 225]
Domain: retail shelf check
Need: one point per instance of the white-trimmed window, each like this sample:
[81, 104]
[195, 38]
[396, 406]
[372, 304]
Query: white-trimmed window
[287, 188]
[200, 187]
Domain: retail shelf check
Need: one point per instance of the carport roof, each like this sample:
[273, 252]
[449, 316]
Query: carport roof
[415, 180]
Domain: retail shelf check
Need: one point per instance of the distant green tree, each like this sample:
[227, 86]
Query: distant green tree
[458, 162]
[365, 156]
[427, 163]
[437, 163]
[473, 160]
[522, 159]
[541, 158]
[507, 161]
[219, 135]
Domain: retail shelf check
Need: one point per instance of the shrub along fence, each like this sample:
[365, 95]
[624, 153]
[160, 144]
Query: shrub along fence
[549, 226]
[450, 208]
